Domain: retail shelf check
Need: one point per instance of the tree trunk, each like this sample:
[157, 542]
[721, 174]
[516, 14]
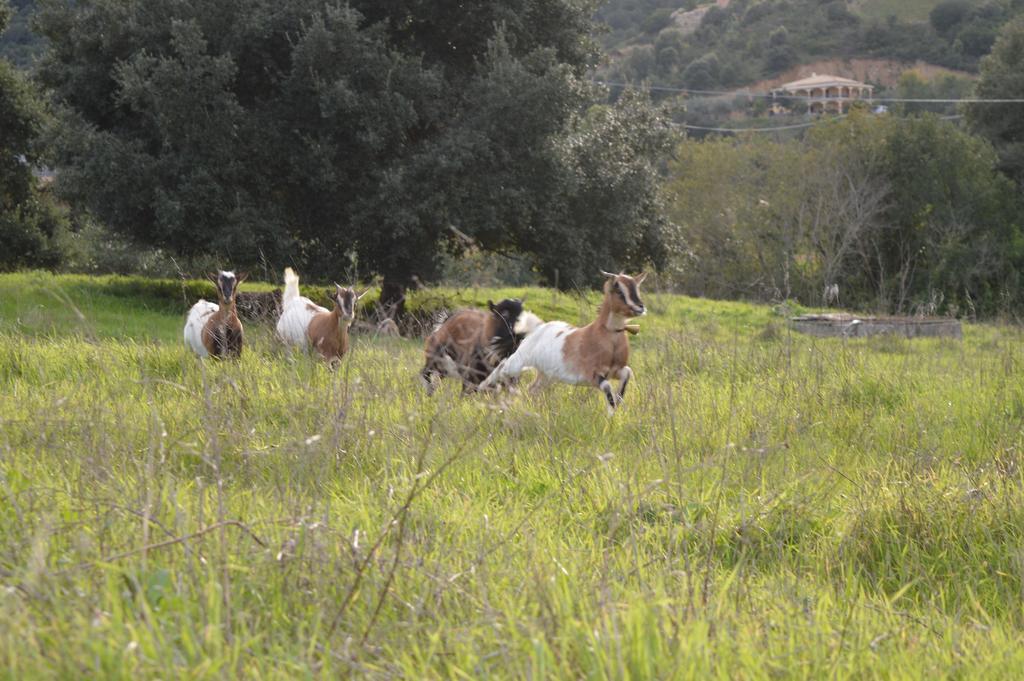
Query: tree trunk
[392, 296]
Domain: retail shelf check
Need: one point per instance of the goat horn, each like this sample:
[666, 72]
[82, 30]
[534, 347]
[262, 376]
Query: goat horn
[608, 274]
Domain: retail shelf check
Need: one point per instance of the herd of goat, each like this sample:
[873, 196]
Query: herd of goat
[484, 349]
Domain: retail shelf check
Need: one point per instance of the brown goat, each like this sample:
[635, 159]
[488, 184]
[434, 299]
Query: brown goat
[470, 343]
[303, 323]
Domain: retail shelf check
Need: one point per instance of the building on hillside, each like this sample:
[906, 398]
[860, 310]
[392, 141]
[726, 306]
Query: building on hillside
[819, 94]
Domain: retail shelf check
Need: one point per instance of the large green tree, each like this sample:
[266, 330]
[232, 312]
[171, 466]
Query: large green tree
[27, 220]
[358, 138]
[1002, 77]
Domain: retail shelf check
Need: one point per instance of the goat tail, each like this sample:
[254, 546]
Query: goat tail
[291, 286]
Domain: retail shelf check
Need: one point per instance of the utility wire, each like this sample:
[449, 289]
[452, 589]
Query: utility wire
[780, 127]
[740, 93]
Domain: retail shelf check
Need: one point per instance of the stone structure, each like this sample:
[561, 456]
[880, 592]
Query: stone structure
[849, 326]
[820, 94]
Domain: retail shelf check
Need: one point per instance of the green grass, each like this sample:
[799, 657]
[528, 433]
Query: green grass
[907, 10]
[766, 505]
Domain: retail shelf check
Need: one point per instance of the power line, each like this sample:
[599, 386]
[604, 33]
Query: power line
[762, 95]
[780, 127]
[796, 126]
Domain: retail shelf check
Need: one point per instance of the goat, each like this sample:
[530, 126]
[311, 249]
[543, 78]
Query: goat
[213, 329]
[469, 343]
[830, 296]
[588, 356]
[303, 323]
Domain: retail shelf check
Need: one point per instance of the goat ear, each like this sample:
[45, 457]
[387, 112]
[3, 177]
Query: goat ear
[639, 279]
[609, 274]
[241, 277]
[330, 294]
[490, 305]
[213, 276]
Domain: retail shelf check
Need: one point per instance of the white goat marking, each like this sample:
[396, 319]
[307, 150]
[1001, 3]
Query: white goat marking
[196, 322]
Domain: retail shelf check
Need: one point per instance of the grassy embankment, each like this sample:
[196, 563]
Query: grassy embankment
[766, 505]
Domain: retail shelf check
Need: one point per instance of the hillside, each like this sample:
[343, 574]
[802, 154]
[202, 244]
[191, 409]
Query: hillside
[727, 44]
[700, 44]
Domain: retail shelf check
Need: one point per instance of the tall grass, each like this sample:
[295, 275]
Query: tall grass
[765, 505]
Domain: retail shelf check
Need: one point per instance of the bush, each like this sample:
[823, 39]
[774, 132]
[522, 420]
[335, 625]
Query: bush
[948, 14]
[29, 235]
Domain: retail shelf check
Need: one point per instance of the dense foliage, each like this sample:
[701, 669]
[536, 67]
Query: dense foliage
[28, 220]
[352, 139]
[904, 214]
[18, 44]
[1002, 77]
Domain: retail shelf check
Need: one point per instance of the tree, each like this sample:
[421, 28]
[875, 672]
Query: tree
[702, 73]
[780, 55]
[1002, 77]
[955, 227]
[352, 139]
[27, 221]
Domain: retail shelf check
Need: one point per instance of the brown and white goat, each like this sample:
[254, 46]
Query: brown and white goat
[305, 324]
[470, 343]
[592, 355]
[213, 329]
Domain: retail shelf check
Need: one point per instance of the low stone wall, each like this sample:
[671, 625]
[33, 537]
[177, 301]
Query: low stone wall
[850, 326]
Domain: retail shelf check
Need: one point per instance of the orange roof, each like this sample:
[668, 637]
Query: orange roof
[815, 80]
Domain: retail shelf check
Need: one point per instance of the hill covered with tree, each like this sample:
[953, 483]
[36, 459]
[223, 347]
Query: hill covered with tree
[724, 44]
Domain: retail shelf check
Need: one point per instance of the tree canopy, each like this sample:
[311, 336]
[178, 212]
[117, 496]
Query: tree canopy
[351, 139]
[904, 214]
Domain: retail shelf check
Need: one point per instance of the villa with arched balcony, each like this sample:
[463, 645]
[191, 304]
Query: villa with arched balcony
[821, 94]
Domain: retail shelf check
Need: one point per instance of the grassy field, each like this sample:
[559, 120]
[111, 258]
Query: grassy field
[765, 505]
[907, 10]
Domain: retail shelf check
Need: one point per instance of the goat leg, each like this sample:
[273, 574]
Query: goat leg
[625, 374]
